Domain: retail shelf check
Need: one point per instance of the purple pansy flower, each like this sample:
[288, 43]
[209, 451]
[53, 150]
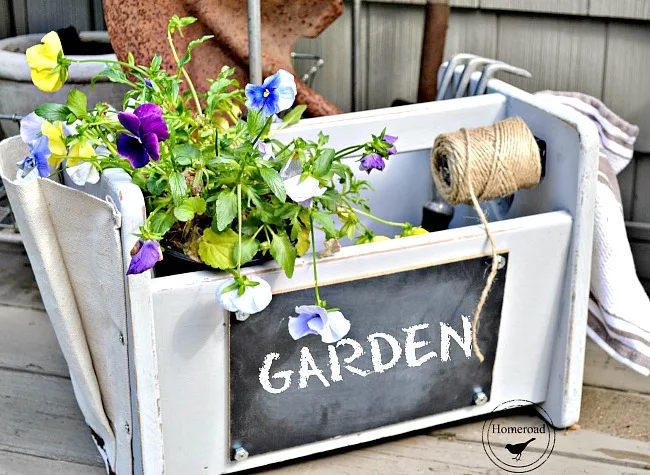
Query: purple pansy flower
[372, 161]
[147, 81]
[145, 255]
[148, 128]
[276, 93]
[315, 320]
[391, 139]
[36, 164]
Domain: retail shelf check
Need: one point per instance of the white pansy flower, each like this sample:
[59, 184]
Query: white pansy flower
[255, 299]
[83, 173]
[303, 191]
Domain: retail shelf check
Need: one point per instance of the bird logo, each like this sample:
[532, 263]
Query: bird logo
[517, 449]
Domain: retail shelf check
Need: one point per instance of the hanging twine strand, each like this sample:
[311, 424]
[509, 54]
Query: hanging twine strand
[483, 164]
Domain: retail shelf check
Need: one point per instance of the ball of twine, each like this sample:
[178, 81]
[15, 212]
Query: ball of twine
[485, 164]
[504, 158]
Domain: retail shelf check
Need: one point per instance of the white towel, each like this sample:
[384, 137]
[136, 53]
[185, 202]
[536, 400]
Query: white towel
[619, 308]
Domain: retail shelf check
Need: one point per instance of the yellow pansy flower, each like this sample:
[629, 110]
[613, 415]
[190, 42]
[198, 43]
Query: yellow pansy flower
[78, 152]
[43, 60]
[54, 133]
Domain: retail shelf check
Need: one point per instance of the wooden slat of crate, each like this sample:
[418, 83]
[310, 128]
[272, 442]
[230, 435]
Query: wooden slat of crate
[635, 9]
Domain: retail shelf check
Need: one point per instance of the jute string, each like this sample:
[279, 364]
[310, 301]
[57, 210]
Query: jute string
[483, 164]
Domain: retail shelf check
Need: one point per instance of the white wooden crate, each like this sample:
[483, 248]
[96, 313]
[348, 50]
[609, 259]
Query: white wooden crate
[178, 338]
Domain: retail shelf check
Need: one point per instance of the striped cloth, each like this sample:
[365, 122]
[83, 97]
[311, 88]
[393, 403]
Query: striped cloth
[619, 308]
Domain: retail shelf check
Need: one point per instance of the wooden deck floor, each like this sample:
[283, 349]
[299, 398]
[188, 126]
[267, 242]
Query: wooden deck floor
[43, 432]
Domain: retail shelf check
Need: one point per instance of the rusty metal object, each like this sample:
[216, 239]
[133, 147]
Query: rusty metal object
[433, 47]
[141, 28]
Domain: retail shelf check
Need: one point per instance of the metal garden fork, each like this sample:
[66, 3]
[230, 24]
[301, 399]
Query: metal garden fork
[447, 88]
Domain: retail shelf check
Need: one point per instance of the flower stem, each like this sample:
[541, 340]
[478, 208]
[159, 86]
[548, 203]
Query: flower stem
[185, 75]
[379, 220]
[348, 150]
[313, 256]
[239, 227]
[111, 61]
[266, 124]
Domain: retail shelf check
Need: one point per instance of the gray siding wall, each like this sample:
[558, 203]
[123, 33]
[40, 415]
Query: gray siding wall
[600, 47]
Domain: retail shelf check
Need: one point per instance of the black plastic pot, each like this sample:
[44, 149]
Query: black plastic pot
[175, 262]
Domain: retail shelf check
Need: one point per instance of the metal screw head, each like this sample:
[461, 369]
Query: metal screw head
[241, 454]
[121, 338]
[479, 398]
[127, 428]
[501, 262]
[241, 316]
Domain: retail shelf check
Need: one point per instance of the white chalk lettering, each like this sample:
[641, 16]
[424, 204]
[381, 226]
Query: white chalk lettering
[308, 368]
[446, 333]
[335, 365]
[411, 345]
[375, 351]
[358, 352]
[265, 371]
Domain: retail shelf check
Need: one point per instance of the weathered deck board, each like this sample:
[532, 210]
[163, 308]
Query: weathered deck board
[17, 285]
[28, 343]
[19, 464]
[39, 416]
[440, 455]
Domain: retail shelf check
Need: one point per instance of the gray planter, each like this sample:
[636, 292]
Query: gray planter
[19, 96]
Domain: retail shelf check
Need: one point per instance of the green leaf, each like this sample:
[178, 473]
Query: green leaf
[155, 187]
[326, 221]
[283, 252]
[190, 207]
[156, 62]
[77, 103]
[161, 222]
[324, 162]
[249, 247]
[193, 44]
[113, 75]
[303, 242]
[185, 154]
[225, 209]
[216, 249]
[273, 179]
[294, 115]
[53, 112]
[178, 188]
[254, 122]
[176, 23]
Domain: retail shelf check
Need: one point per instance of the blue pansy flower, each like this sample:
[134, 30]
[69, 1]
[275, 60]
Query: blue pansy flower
[314, 320]
[276, 93]
[372, 161]
[36, 164]
[144, 254]
[391, 139]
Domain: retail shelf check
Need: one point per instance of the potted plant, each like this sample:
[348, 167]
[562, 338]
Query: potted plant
[218, 187]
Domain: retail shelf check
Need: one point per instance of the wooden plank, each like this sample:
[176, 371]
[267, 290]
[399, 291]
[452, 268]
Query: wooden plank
[28, 342]
[440, 455]
[333, 80]
[626, 180]
[18, 287]
[553, 50]
[39, 416]
[635, 9]
[571, 7]
[453, 3]
[625, 79]
[45, 16]
[20, 464]
[582, 444]
[97, 20]
[471, 32]
[641, 206]
[5, 19]
[605, 372]
[394, 47]
[20, 16]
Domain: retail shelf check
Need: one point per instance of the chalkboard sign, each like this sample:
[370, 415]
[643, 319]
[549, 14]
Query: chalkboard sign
[408, 355]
